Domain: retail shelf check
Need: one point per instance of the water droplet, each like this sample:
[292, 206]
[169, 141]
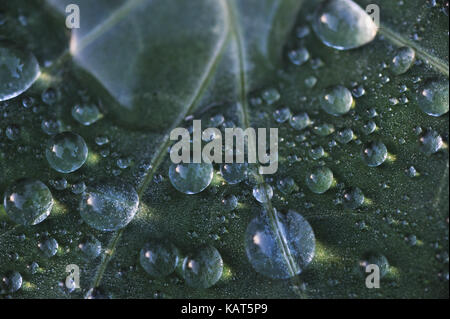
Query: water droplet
[344, 136]
[353, 198]
[310, 81]
[28, 202]
[49, 96]
[11, 283]
[369, 127]
[337, 101]
[282, 115]
[230, 202]
[319, 180]
[271, 96]
[343, 25]
[18, 71]
[263, 193]
[275, 257]
[203, 269]
[374, 153]
[90, 246]
[109, 206]
[234, 173]
[403, 60]
[13, 132]
[430, 142]
[159, 258]
[86, 114]
[66, 152]
[49, 247]
[191, 178]
[375, 259]
[300, 121]
[433, 98]
[298, 56]
[287, 185]
[51, 127]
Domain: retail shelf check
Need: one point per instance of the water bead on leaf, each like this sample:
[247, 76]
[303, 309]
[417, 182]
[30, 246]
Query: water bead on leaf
[433, 98]
[49, 247]
[343, 25]
[374, 153]
[430, 142]
[86, 114]
[263, 193]
[234, 173]
[203, 269]
[275, 257]
[191, 178]
[18, 71]
[109, 205]
[159, 258]
[337, 101]
[403, 60]
[66, 152]
[28, 202]
[353, 198]
[319, 180]
[300, 121]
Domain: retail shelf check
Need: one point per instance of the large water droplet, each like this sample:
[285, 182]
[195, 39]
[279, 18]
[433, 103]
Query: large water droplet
[109, 206]
[191, 178]
[433, 98]
[343, 25]
[337, 100]
[203, 269]
[18, 71]
[159, 258]
[28, 202]
[276, 257]
[403, 60]
[66, 152]
[11, 283]
[319, 180]
[86, 114]
[374, 153]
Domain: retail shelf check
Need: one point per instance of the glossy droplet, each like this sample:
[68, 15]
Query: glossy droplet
[343, 25]
[18, 71]
[263, 193]
[66, 152]
[353, 198]
[300, 121]
[319, 180]
[109, 205]
[234, 173]
[11, 283]
[374, 153]
[90, 246]
[86, 114]
[433, 98]
[282, 115]
[344, 136]
[271, 95]
[298, 56]
[159, 258]
[375, 259]
[403, 60]
[337, 101]
[430, 142]
[49, 247]
[287, 185]
[203, 269]
[191, 178]
[275, 257]
[230, 202]
[28, 202]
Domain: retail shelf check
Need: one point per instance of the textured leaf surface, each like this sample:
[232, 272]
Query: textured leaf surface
[150, 64]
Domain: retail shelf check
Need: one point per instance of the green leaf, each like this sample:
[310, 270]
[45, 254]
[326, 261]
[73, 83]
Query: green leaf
[151, 64]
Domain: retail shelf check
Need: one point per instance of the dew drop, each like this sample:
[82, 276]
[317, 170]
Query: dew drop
[90, 246]
[11, 283]
[375, 259]
[191, 178]
[282, 115]
[298, 56]
[344, 136]
[86, 114]
[374, 153]
[280, 258]
[18, 71]
[300, 121]
[353, 198]
[319, 180]
[109, 205]
[49, 247]
[28, 202]
[159, 258]
[203, 269]
[263, 193]
[337, 101]
[433, 98]
[430, 142]
[343, 25]
[403, 60]
[66, 152]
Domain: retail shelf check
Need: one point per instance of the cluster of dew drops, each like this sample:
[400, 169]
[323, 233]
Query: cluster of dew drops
[111, 205]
